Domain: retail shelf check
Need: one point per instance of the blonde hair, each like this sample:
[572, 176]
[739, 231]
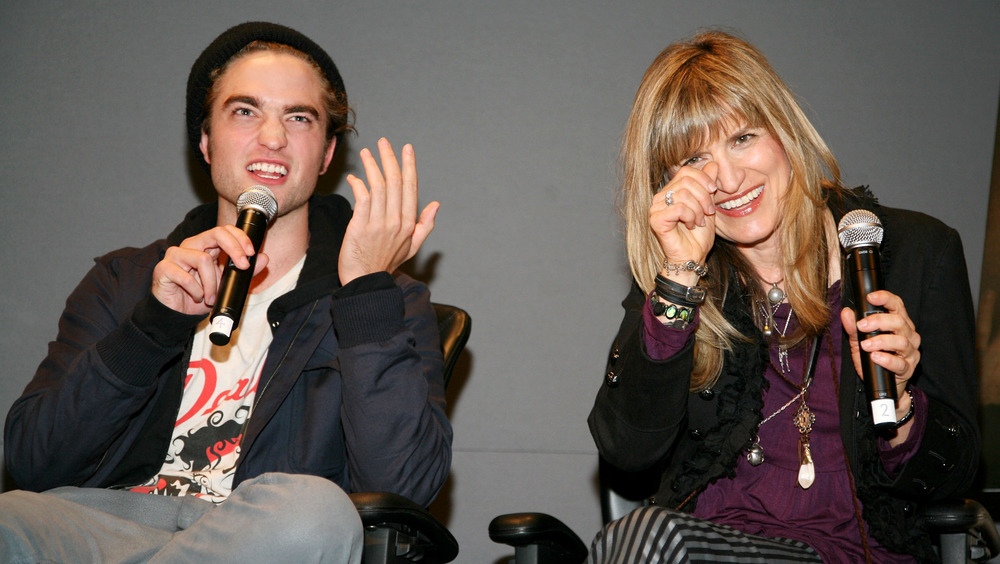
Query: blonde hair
[691, 92]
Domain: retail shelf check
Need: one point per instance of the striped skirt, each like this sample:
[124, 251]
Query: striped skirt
[659, 535]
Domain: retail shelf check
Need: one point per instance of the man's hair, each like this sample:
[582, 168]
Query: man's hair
[693, 91]
[249, 37]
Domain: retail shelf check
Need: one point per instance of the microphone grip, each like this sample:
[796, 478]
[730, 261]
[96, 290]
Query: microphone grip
[235, 283]
[880, 384]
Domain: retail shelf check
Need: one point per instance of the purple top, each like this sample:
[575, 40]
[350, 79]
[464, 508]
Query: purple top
[766, 500]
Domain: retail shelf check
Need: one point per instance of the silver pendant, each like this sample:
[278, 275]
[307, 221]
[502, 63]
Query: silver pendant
[775, 295]
[755, 455]
[783, 360]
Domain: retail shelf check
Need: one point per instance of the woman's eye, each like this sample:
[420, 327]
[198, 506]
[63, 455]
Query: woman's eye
[691, 161]
[744, 138]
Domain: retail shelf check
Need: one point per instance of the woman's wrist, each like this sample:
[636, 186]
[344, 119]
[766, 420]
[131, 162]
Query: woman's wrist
[677, 293]
[904, 408]
[686, 272]
[670, 314]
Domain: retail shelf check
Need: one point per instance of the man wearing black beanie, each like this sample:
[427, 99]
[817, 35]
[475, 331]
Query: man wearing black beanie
[139, 439]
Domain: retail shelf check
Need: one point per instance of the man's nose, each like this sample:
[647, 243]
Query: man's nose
[272, 134]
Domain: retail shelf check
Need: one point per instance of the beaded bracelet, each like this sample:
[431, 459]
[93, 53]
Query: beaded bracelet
[677, 316]
[909, 414]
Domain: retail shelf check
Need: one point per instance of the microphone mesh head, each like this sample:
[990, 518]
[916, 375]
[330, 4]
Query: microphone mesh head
[259, 198]
[860, 227]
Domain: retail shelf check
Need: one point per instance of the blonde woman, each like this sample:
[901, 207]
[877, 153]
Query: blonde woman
[736, 370]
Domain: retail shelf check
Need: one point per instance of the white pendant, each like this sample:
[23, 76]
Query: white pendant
[807, 471]
[776, 295]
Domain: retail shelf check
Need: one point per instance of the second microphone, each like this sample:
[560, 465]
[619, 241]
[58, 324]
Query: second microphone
[860, 233]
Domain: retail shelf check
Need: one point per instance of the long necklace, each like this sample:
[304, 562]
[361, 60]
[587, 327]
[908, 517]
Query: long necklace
[803, 421]
[768, 316]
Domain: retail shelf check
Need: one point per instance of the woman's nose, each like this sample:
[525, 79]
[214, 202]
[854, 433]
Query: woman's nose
[730, 176]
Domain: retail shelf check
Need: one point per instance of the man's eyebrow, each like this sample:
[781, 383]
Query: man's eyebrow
[242, 99]
[302, 109]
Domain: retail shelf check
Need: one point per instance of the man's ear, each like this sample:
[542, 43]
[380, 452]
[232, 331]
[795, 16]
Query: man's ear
[203, 145]
[327, 157]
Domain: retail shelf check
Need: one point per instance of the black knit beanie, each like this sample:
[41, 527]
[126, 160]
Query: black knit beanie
[230, 43]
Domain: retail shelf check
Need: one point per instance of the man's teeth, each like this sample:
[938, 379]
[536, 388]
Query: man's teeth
[268, 169]
[733, 204]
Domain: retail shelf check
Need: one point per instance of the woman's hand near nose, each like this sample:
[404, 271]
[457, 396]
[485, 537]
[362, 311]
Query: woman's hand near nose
[682, 217]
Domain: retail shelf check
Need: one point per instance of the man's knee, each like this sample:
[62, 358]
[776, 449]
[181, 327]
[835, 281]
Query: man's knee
[320, 501]
[21, 509]
[308, 510]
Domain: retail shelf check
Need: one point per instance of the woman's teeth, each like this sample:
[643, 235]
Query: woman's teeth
[733, 204]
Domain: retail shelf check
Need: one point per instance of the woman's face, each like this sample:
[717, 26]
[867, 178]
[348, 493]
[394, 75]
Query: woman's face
[752, 176]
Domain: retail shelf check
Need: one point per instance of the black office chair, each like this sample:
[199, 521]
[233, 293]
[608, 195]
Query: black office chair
[396, 529]
[963, 528]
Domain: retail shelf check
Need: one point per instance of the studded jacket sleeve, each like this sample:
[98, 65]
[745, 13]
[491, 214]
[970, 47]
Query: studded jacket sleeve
[641, 407]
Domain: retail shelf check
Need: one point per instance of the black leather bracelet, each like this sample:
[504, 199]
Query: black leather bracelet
[909, 414]
[679, 294]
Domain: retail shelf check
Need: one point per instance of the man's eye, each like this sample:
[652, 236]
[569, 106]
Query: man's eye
[243, 112]
[301, 119]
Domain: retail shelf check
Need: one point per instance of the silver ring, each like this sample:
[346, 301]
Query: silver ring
[669, 198]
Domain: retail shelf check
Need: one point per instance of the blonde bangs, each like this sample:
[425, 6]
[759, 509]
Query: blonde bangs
[698, 106]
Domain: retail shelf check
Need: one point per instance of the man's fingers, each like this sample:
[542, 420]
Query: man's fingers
[423, 227]
[376, 183]
[409, 195]
[362, 198]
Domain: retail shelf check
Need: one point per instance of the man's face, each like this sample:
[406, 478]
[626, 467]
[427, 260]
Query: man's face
[267, 127]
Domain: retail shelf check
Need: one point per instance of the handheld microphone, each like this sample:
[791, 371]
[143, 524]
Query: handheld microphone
[255, 208]
[860, 233]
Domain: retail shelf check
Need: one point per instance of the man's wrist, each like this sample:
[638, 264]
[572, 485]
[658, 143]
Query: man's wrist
[164, 326]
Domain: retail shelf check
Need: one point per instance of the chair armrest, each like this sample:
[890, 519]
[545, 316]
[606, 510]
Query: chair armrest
[962, 516]
[559, 542]
[427, 539]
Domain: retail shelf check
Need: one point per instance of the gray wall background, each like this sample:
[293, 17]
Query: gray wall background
[515, 110]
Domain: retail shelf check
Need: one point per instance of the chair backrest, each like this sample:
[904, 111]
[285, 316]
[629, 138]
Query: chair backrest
[454, 324]
[622, 491]
[396, 529]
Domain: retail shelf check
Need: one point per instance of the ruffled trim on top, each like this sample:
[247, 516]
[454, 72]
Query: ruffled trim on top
[741, 398]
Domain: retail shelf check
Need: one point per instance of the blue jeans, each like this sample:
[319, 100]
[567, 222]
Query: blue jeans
[271, 518]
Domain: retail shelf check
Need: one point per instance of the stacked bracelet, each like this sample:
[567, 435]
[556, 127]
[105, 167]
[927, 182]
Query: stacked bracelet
[676, 316]
[690, 296]
[909, 414]
[686, 266]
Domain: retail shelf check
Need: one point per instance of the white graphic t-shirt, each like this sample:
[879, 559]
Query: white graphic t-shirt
[219, 392]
